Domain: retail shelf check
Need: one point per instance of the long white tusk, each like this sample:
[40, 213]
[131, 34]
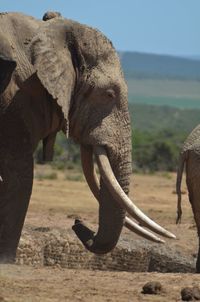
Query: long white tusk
[1, 179]
[133, 226]
[120, 196]
[93, 182]
[89, 171]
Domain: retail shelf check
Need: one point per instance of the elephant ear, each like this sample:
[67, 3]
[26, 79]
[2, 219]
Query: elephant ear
[52, 59]
[7, 66]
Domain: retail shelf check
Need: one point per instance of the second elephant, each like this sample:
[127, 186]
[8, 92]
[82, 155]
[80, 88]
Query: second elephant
[190, 159]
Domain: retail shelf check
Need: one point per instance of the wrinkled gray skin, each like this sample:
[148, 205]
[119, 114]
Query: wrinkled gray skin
[190, 158]
[58, 75]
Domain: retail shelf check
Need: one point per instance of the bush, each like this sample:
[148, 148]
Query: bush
[40, 175]
[66, 154]
[152, 151]
[156, 151]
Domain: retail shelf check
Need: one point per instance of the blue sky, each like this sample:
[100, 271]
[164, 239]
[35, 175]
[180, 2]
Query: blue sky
[155, 26]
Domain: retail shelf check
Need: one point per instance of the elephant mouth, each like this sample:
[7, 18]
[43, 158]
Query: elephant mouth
[118, 195]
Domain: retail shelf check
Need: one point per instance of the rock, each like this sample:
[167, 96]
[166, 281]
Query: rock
[53, 246]
[186, 294]
[190, 293]
[152, 288]
[196, 292]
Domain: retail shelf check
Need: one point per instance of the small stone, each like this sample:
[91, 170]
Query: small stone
[152, 288]
[42, 229]
[186, 294]
[196, 292]
[190, 293]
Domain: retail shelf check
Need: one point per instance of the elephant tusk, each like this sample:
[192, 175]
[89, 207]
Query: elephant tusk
[133, 226]
[93, 182]
[120, 196]
[89, 171]
[1, 179]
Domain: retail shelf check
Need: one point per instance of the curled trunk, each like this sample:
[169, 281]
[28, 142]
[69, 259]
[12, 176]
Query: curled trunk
[111, 214]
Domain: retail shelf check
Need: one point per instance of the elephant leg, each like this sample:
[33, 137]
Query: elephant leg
[198, 260]
[196, 212]
[15, 191]
[16, 171]
[194, 197]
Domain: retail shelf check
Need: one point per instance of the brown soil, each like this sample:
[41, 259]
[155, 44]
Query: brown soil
[56, 202]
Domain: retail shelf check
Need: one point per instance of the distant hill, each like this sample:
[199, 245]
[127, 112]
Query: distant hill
[195, 57]
[144, 65]
[168, 92]
[162, 79]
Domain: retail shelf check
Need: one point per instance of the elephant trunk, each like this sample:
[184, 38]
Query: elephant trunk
[111, 214]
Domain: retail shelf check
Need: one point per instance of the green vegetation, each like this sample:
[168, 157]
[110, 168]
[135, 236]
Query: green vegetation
[41, 176]
[157, 118]
[156, 151]
[74, 177]
[158, 134]
[66, 154]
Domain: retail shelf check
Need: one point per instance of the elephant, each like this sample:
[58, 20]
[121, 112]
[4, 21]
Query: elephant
[59, 75]
[190, 158]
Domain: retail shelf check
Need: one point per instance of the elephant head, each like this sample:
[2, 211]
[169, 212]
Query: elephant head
[80, 69]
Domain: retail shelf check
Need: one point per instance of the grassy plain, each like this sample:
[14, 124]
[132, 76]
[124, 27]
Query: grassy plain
[168, 92]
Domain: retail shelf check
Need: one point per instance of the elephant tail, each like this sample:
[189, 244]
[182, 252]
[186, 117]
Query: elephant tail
[180, 169]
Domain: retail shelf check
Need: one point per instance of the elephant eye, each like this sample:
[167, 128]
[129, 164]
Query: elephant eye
[111, 93]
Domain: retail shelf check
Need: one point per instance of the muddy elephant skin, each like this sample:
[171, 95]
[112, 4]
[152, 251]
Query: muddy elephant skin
[190, 159]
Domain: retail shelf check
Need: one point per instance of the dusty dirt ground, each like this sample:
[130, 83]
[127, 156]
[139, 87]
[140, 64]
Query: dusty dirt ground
[55, 203]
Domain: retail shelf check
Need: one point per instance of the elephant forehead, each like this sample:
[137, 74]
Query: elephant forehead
[108, 76]
[94, 45]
